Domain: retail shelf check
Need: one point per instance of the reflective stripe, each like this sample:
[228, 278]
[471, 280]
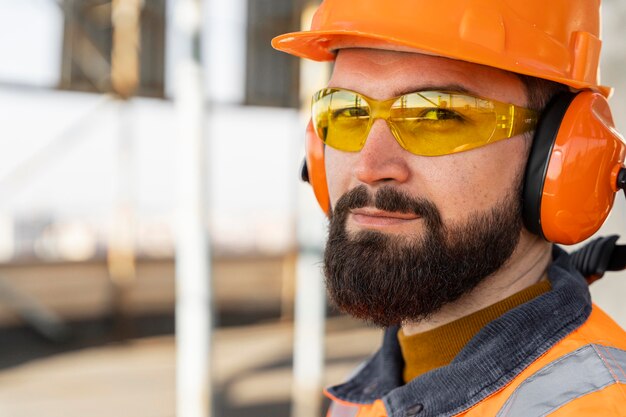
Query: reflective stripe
[340, 410]
[578, 373]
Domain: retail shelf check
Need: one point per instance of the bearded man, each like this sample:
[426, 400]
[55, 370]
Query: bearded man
[454, 144]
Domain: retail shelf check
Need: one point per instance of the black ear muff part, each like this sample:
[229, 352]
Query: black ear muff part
[304, 172]
[599, 256]
[539, 158]
[621, 180]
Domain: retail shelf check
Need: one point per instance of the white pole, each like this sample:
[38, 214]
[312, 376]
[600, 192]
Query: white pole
[310, 302]
[308, 361]
[194, 396]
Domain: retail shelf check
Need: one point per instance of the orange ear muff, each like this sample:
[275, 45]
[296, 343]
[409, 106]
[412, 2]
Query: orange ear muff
[572, 172]
[316, 170]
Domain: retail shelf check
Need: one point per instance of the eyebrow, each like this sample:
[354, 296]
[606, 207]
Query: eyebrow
[434, 87]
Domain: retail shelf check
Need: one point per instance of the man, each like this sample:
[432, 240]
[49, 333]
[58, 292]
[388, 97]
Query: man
[436, 156]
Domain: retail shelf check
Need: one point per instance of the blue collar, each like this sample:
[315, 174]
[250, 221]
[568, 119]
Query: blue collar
[499, 352]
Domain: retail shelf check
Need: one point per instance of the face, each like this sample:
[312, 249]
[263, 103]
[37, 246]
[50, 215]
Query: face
[460, 184]
[402, 224]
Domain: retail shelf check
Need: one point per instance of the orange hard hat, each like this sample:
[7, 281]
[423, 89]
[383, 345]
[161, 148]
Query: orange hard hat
[557, 40]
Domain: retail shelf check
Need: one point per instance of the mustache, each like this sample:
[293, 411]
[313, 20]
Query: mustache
[386, 198]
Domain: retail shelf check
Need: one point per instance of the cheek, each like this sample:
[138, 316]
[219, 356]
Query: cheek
[337, 165]
[475, 181]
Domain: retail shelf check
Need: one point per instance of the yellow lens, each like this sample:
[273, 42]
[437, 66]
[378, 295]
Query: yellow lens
[429, 123]
[341, 119]
[436, 123]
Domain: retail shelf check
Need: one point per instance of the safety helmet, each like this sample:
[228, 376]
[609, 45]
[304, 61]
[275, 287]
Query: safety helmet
[577, 158]
[557, 40]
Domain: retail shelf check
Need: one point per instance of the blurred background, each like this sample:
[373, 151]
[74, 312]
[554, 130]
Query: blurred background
[89, 178]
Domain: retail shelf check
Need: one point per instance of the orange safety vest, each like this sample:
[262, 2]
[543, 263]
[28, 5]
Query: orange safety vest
[546, 385]
[580, 375]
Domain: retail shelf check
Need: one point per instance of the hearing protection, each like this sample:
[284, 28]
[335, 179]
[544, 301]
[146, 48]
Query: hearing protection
[575, 167]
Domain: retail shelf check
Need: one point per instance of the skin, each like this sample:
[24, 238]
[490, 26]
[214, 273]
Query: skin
[460, 184]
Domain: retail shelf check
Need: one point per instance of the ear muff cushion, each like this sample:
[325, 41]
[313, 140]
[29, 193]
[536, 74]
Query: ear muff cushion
[539, 158]
[314, 148]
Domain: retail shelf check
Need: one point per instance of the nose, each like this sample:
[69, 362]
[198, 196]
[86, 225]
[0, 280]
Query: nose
[382, 160]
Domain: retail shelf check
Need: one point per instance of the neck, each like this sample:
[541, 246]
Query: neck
[527, 266]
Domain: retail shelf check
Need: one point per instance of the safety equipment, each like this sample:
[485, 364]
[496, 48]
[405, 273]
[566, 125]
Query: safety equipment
[429, 123]
[584, 372]
[555, 40]
[573, 168]
[599, 256]
[577, 158]
[314, 170]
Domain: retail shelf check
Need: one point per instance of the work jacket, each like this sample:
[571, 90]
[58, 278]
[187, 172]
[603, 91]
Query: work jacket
[557, 355]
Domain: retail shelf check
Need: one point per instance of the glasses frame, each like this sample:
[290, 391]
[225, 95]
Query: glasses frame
[511, 120]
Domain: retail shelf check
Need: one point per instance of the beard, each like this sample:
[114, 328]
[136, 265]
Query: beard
[388, 279]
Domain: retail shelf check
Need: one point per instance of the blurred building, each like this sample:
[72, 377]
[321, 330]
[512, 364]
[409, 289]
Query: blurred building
[70, 150]
[89, 179]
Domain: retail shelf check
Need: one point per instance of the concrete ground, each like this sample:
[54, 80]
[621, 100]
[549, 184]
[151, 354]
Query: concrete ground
[252, 374]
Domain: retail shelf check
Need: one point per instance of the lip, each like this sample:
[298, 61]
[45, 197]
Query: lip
[378, 218]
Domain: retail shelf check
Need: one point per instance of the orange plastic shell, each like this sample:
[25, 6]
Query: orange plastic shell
[578, 191]
[315, 166]
[557, 40]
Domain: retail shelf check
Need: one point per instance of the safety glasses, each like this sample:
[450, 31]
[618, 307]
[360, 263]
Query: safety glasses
[428, 123]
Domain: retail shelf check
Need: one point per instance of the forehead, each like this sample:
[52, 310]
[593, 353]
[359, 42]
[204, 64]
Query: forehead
[383, 74]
